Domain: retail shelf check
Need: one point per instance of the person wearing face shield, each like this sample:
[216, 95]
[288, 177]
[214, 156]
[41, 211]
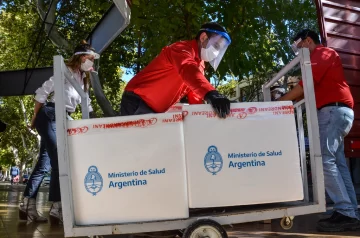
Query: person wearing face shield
[335, 104]
[43, 120]
[178, 71]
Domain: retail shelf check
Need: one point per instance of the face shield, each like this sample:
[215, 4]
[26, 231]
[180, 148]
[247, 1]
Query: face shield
[215, 48]
[295, 47]
[96, 62]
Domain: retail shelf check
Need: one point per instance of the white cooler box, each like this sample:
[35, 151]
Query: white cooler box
[251, 157]
[128, 169]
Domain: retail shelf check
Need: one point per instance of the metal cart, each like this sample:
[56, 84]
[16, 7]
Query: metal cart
[206, 222]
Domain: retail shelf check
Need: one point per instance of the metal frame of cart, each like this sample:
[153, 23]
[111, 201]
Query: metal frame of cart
[240, 215]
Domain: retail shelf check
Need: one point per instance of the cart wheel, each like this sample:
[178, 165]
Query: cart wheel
[287, 223]
[205, 229]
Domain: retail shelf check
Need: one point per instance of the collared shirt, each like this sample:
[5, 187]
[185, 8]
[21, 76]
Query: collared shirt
[329, 81]
[176, 72]
[72, 98]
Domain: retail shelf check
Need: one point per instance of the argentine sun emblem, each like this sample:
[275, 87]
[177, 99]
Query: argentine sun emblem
[213, 161]
[93, 181]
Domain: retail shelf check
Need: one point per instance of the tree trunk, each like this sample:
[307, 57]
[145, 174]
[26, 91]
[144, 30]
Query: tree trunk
[33, 154]
[103, 102]
[16, 155]
[138, 54]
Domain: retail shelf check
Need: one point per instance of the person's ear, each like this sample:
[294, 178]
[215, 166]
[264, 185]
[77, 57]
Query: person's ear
[309, 41]
[203, 39]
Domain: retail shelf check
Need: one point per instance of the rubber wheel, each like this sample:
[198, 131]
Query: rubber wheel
[205, 229]
[286, 223]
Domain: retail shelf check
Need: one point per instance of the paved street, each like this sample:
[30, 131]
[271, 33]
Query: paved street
[11, 227]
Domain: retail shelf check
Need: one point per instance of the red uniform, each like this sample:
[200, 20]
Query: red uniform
[329, 81]
[176, 72]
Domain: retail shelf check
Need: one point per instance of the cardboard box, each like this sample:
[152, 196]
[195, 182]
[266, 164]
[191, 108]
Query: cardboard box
[251, 157]
[128, 169]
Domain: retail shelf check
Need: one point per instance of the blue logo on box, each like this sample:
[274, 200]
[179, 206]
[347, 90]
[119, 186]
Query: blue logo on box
[213, 161]
[93, 181]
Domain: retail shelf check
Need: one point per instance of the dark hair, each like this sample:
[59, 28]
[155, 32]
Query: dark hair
[212, 26]
[307, 33]
[83, 47]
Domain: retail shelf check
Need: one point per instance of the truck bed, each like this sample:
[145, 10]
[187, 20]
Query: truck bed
[339, 23]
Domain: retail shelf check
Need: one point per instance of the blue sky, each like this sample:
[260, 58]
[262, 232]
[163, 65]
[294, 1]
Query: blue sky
[126, 77]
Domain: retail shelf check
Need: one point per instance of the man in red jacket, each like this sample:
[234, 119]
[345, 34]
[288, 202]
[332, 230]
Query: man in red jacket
[178, 71]
[335, 116]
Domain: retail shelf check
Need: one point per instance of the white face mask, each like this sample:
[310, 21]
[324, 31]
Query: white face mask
[87, 65]
[209, 54]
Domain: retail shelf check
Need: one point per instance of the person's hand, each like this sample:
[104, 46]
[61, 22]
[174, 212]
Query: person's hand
[219, 102]
[32, 123]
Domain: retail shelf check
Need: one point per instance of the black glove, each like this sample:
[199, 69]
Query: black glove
[219, 102]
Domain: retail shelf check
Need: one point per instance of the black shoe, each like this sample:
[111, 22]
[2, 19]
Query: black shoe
[337, 223]
[333, 216]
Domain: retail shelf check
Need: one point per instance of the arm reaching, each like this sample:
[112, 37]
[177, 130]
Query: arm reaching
[184, 60]
[193, 98]
[295, 93]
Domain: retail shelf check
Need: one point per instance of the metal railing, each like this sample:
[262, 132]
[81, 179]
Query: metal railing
[312, 125]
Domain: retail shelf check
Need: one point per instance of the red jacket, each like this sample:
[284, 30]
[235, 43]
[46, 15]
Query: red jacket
[176, 72]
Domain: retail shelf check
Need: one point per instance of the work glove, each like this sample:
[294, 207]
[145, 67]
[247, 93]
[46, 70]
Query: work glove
[219, 102]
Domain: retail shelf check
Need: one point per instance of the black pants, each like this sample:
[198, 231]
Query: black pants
[132, 104]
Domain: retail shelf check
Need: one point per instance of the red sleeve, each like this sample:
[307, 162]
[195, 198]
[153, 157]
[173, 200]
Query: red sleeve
[194, 99]
[183, 58]
[320, 64]
[301, 83]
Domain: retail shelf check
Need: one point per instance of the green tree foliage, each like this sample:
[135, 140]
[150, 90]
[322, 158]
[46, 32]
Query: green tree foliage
[260, 32]
[18, 143]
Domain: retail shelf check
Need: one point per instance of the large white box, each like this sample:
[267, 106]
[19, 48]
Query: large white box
[128, 169]
[251, 157]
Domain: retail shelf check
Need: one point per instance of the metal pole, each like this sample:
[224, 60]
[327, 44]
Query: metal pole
[62, 145]
[266, 93]
[313, 129]
[301, 137]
